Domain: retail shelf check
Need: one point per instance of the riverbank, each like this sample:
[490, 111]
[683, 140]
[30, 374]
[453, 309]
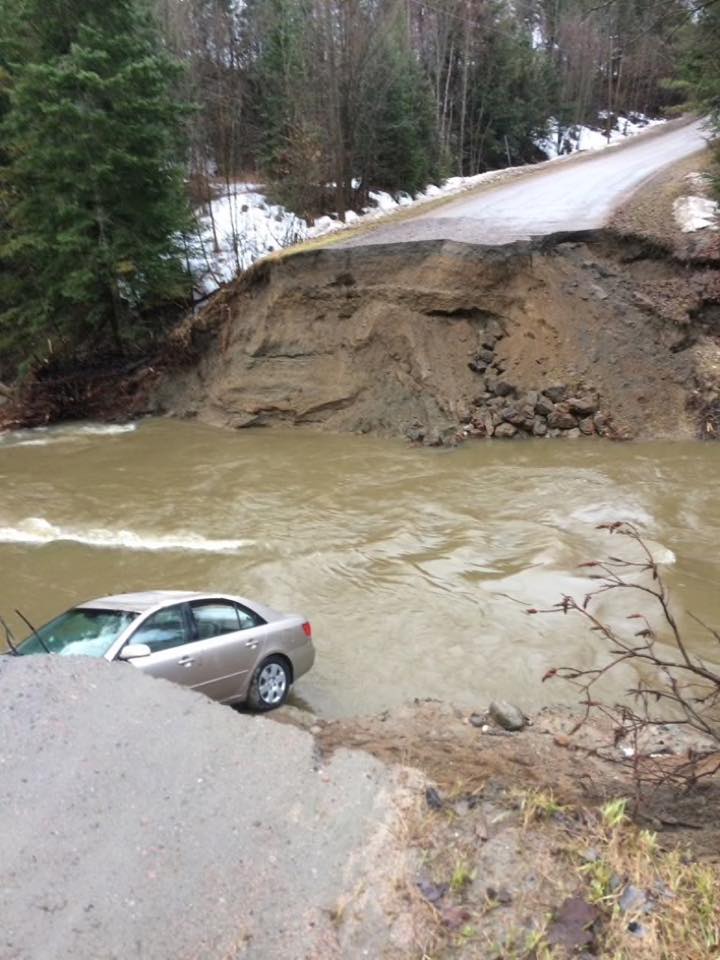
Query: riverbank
[529, 843]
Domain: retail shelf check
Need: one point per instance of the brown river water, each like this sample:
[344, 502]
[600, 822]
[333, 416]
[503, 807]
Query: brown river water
[414, 565]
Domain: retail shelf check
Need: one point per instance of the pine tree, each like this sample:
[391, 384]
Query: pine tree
[96, 204]
[399, 139]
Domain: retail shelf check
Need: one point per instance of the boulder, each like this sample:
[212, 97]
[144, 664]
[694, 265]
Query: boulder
[583, 406]
[507, 715]
[505, 430]
[561, 418]
[503, 388]
[539, 427]
[543, 406]
[587, 426]
[514, 415]
[557, 392]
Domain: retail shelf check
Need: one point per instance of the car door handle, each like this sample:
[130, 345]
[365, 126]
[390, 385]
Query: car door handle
[186, 661]
[252, 644]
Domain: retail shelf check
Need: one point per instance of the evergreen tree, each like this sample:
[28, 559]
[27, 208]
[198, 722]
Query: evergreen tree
[96, 205]
[398, 140]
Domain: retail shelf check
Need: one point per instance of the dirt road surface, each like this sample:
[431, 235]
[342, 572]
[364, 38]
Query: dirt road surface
[577, 195]
[141, 820]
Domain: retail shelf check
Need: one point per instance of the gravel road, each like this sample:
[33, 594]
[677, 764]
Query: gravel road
[579, 194]
[141, 820]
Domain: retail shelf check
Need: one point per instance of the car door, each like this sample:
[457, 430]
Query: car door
[173, 654]
[231, 639]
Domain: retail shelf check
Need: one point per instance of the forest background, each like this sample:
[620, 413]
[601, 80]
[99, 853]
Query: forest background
[117, 120]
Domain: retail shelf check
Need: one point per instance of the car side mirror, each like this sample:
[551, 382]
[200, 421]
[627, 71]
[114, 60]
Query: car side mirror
[133, 651]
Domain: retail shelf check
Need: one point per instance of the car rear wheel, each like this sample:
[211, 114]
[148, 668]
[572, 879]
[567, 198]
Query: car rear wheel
[270, 685]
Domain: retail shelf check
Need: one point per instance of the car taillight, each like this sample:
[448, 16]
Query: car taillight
[307, 630]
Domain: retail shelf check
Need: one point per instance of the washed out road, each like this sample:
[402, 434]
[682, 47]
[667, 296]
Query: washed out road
[140, 820]
[579, 194]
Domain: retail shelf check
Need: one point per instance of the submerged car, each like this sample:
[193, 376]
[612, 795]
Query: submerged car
[229, 648]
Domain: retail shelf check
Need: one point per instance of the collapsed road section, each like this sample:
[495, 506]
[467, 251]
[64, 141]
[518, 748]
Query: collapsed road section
[574, 334]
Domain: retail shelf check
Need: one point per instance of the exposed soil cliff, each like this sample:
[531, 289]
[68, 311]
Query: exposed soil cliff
[440, 340]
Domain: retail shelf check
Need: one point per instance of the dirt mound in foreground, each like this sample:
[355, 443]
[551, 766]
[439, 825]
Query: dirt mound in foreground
[436, 341]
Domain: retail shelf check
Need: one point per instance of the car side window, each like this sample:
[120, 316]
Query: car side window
[214, 618]
[248, 618]
[163, 630]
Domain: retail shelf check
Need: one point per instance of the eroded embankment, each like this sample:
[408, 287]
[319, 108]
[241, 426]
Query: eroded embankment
[440, 340]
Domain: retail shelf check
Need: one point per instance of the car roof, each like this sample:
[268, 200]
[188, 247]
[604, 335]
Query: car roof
[139, 602]
[147, 599]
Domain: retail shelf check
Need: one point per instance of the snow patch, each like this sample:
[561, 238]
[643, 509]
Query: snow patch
[237, 228]
[560, 141]
[696, 213]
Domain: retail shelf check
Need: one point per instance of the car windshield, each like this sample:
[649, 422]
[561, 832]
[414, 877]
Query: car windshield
[83, 631]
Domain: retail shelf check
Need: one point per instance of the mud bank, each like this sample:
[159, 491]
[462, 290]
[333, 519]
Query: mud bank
[581, 334]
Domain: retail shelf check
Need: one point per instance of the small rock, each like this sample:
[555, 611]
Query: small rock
[557, 392]
[432, 892]
[633, 900]
[587, 426]
[501, 895]
[477, 367]
[600, 421]
[507, 715]
[573, 434]
[598, 292]
[571, 927]
[476, 719]
[494, 331]
[505, 430]
[433, 798]
[531, 398]
[315, 729]
[485, 356]
[539, 427]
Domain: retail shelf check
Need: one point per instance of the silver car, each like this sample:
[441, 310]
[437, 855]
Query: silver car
[229, 648]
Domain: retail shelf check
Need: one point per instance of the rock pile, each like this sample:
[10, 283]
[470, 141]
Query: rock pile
[502, 410]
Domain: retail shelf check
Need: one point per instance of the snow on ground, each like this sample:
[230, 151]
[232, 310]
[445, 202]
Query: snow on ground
[695, 213]
[559, 142]
[245, 226]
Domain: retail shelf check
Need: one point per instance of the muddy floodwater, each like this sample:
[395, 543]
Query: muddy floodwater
[414, 565]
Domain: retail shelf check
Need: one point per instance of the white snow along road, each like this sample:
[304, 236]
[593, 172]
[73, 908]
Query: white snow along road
[577, 195]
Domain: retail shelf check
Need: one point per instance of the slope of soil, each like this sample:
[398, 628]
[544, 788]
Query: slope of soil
[436, 341]
[520, 836]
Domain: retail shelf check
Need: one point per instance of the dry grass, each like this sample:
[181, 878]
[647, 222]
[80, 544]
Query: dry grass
[678, 909]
